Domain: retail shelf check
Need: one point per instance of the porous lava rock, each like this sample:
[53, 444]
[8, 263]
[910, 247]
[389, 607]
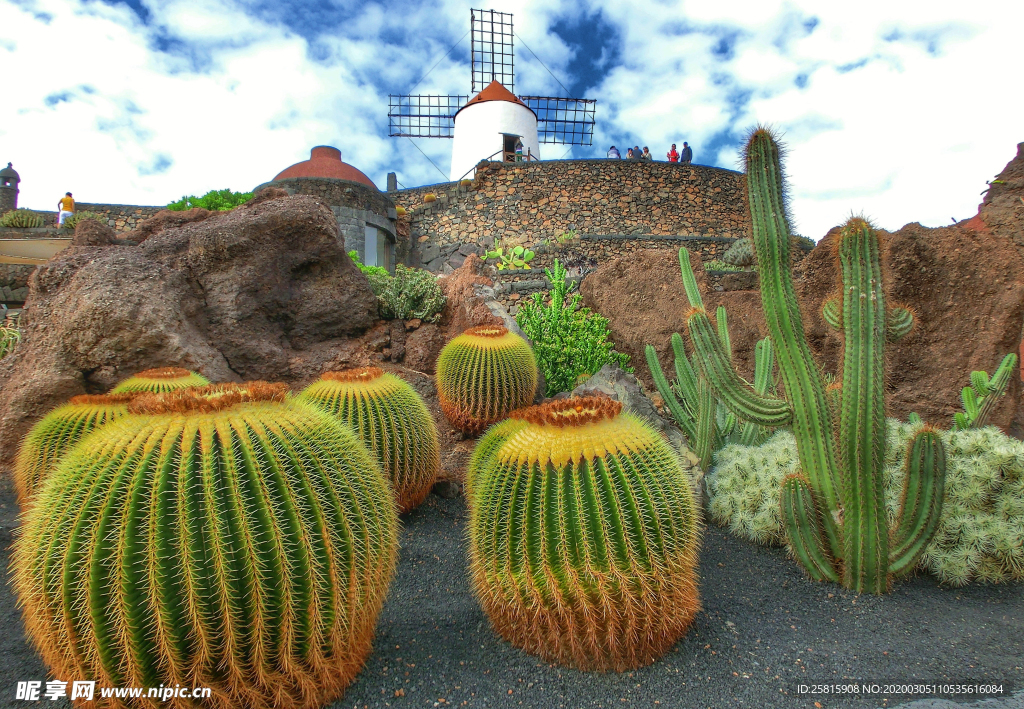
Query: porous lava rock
[90, 232]
[963, 282]
[165, 219]
[265, 291]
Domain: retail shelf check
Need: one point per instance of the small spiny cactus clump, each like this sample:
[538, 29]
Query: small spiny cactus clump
[393, 421]
[57, 432]
[584, 536]
[224, 537]
[980, 535]
[741, 253]
[160, 380]
[484, 374]
[21, 218]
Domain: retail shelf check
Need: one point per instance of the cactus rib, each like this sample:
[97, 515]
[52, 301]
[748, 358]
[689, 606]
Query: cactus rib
[802, 522]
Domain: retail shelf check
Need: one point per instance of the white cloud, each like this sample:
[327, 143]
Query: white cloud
[900, 110]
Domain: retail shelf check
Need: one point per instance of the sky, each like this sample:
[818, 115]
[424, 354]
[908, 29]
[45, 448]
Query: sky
[897, 110]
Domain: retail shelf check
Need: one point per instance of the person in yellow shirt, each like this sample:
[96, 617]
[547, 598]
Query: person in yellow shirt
[67, 207]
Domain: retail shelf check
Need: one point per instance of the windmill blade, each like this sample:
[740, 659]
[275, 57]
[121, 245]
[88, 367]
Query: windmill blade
[423, 115]
[490, 49]
[566, 121]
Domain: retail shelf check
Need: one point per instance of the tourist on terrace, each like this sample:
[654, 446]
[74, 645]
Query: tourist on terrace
[613, 152]
[687, 156]
[629, 154]
[65, 208]
[636, 152]
[673, 156]
[646, 154]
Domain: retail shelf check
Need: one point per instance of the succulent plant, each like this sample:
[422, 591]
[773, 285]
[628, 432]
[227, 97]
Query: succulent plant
[493, 438]
[482, 375]
[834, 507]
[22, 218]
[584, 537]
[160, 380]
[71, 222]
[741, 253]
[511, 257]
[393, 421]
[223, 537]
[981, 397]
[430, 197]
[57, 432]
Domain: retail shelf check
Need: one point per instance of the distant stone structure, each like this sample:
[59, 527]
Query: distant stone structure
[367, 219]
[9, 180]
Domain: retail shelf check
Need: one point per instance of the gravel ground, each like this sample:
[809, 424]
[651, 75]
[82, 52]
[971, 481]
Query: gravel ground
[764, 631]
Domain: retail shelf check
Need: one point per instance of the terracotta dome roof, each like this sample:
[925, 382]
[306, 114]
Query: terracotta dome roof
[494, 92]
[325, 161]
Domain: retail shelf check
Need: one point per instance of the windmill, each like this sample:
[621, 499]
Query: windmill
[494, 120]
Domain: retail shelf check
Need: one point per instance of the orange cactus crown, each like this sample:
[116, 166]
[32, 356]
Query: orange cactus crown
[208, 399]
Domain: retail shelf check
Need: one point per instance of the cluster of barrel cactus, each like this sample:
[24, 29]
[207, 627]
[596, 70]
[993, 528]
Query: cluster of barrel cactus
[834, 508]
[160, 380]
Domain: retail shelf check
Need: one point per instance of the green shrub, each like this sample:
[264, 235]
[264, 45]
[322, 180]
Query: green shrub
[567, 339]
[368, 270]
[410, 293]
[72, 221]
[21, 218]
[981, 530]
[214, 200]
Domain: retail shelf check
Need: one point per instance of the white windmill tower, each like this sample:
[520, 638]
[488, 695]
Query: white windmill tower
[494, 122]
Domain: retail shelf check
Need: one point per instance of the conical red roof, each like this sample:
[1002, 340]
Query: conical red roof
[494, 91]
[325, 161]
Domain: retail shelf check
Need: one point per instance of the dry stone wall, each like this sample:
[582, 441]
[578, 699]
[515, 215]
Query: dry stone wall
[119, 217]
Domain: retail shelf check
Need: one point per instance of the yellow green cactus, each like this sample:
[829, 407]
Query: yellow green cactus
[392, 420]
[57, 432]
[584, 535]
[483, 375]
[161, 379]
[224, 537]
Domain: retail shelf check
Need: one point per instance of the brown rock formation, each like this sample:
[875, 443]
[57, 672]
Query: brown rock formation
[90, 232]
[264, 291]
[166, 219]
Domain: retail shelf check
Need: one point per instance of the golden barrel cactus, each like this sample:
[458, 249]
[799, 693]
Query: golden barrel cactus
[584, 536]
[223, 537]
[393, 421]
[483, 375]
[160, 380]
[57, 432]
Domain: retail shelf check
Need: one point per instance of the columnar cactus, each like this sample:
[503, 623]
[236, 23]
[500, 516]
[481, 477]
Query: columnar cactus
[834, 508]
[483, 375]
[393, 422]
[222, 537]
[981, 397]
[584, 536]
[160, 380]
[57, 432]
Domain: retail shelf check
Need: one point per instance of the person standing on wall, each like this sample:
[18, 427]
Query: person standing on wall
[687, 155]
[673, 156]
[65, 208]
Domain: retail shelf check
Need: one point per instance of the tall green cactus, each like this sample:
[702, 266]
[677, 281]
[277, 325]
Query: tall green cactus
[981, 397]
[584, 535]
[392, 420]
[223, 537]
[57, 432]
[160, 380]
[834, 508]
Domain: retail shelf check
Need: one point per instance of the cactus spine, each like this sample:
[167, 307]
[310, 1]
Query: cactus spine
[161, 380]
[393, 422]
[484, 374]
[222, 537]
[57, 432]
[833, 509]
[584, 536]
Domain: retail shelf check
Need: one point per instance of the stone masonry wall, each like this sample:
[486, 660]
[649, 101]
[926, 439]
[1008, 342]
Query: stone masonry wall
[120, 217]
[530, 202]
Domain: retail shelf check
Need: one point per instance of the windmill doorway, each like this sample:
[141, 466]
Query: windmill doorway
[509, 152]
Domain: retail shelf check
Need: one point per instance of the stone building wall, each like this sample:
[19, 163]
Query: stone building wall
[120, 217]
[529, 203]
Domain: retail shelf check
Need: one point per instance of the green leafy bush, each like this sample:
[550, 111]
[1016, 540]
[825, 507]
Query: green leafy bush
[21, 218]
[568, 340]
[368, 270]
[72, 221]
[981, 530]
[410, 293]
[214, 200]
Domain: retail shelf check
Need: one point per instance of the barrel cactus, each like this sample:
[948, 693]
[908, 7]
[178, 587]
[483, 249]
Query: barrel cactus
[161, 380]
[392, 420]
[584, 536]
[222, 537]
[741, 253]
[491, 441]
[57, 432]
[483, 375]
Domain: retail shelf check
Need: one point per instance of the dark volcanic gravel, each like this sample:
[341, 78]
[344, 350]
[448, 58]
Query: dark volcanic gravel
[765, 630]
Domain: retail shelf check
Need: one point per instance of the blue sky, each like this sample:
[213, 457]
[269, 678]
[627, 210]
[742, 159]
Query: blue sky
[899, 110]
